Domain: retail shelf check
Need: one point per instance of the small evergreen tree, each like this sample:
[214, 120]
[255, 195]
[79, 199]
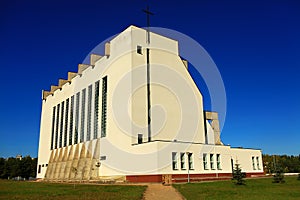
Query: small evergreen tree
[237, 175]
[278, 176]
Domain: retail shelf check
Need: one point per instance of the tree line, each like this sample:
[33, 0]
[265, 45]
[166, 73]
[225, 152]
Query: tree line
[15, 167]
[284, 163]
[26, 167]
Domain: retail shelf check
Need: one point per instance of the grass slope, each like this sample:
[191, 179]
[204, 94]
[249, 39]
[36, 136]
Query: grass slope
[53, 191]
[254, 189]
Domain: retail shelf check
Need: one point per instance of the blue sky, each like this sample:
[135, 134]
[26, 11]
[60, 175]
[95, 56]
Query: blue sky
[255, 45]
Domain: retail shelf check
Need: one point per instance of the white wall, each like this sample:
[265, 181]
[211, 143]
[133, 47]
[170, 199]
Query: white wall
[177, 111]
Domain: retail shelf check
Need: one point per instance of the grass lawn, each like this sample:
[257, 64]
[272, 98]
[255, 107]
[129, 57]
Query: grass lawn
[262, 188]
[53, 191]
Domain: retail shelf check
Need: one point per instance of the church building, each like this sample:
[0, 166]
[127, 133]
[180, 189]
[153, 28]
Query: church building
[134, 114]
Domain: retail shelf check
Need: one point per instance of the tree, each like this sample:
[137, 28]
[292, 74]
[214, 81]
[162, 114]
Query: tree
[26, 167]
[278, 176]
[13, 167]
[290, 164]
[237, 175]
[33, 167]
[2, 165]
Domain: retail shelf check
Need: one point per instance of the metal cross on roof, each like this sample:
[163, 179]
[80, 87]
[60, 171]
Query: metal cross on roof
[148, 13]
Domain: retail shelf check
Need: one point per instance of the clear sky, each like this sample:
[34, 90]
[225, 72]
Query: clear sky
[255, 45]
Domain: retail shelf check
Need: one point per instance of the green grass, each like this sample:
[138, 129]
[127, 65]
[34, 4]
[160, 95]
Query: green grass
[262, 188]
[55, 191]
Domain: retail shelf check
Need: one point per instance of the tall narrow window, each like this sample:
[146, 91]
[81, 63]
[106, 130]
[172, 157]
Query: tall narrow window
[182, 160]
[96, 110]
[66, 122]
[76, 118]
[257, 162]
[205, 164]
[89, 113]
[190, 160]
[39, 169]
[104, 106]
[212, 162]
[53, 127]
[253, 163]
[82, 115]
[174, 161]
[57, 126]
[71, 121]
[61, 124]
[140, 138]
[219, 161]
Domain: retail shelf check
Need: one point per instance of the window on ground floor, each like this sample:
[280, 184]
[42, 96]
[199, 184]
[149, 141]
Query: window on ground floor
[39, 169]
[190, 161]
[205, 164]
[257, 162]
[219, 162]
[253, 162]
[212, 162]
[182, 160]
[174, 161]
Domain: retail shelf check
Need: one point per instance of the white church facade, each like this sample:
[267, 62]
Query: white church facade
[135, 115]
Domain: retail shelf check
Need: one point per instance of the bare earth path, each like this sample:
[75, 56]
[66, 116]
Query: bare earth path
[161, 192]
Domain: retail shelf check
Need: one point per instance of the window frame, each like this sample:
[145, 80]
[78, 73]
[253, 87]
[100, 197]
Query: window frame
[190, 157]
[218, 161]
[182, 161]
[253, 163]
[140, 138]
[205, 163]
[139, 49]
[212, 161]
[174, 160]
[257, 162]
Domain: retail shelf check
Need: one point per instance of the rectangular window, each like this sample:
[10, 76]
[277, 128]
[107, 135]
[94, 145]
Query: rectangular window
[253, 163]
[140, 138]
[39, 169]
[82, 115]
[66, 122]
[96, 110]
[71, 121]
[219, 162]
[57, 126]
[257, 162]
[53, 127]
[61, 124]
[89, 113]
[76, 118]
[174, 161]
[139, 49]
[205, 164]
[104, 106]
[190, 160]
[212, 163]
[182, 160]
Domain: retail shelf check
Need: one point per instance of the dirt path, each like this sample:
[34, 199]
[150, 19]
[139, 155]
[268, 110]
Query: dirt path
[161, 192]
